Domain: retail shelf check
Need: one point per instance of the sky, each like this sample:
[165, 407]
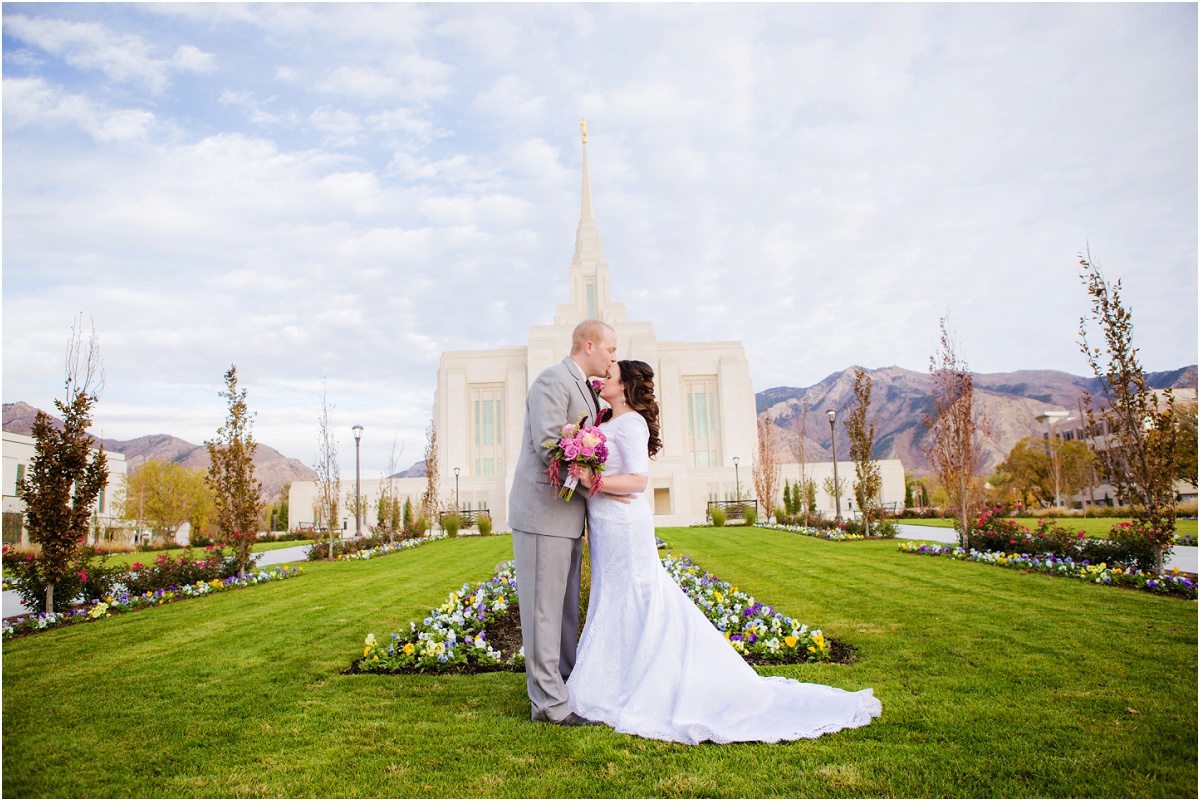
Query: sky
[329, 196]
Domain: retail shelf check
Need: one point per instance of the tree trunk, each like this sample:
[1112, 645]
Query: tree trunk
[49, 596]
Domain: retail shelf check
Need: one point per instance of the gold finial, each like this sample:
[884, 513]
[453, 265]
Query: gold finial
[583, 127]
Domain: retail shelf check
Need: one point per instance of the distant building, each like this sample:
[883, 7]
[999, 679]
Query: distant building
[18, 455]
[1073, 426]
[705, 396]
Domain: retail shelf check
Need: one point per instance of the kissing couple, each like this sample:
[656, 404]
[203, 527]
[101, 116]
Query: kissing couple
[649, 662]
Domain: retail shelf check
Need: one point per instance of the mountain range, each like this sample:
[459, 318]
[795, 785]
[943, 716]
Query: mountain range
[271, 467]
[901, 400]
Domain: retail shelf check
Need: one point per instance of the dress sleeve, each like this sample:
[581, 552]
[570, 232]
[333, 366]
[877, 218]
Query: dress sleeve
[637, 457]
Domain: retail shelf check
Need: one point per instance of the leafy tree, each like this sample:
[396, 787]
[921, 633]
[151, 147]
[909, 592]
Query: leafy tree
[430, 504]
[834, 489]
[862, 439]
[1140, 454]
[788, 507]
[281, 509]
[167, 495]
[64, 479]
[1185, 450]
[1028, 472]
[236, 493]
[955, 449]
[1075, 464]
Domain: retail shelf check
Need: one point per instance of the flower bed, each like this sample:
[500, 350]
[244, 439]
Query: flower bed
[833, 534]
[1187, 540]
[1173, 583]
[126, 602]
[345, 552]
[751, 628]
[476, 629]
[1125, 545]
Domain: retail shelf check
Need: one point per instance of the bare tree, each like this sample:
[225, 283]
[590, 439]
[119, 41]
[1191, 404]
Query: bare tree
[767, 467]
[955, 448]
[430, 503]
[389, 499]
[329, 474]
[862, 440]
[1140, 454]
[805, 488]
[237, 494]
[63, 483]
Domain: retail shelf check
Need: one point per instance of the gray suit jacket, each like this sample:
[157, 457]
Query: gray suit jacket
[556, 398]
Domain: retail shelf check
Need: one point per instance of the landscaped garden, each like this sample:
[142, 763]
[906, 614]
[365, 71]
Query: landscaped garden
[994, 683]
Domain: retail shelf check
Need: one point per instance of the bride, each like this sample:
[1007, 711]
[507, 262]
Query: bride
[649, 662]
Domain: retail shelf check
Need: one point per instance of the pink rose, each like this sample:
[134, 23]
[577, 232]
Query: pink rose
[570, 449]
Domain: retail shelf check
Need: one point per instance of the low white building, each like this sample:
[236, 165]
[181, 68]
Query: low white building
[18, 455]
[705, 396]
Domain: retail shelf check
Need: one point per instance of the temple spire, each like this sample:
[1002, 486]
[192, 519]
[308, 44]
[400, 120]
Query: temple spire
[585, 213]
[589, 272]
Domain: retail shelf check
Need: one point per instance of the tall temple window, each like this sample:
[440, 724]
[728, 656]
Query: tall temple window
[487, 424]
[591, 299]
[704, 445]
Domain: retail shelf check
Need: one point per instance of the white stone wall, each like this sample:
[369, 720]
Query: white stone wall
[19, 450]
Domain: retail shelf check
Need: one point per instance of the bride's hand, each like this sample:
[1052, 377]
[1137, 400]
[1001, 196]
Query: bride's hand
[584, 474]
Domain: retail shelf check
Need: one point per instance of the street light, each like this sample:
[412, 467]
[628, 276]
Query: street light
[737, 484]
[357, 483]
[837, 488]
[456, 489]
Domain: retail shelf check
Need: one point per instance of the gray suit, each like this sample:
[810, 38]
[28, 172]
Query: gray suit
[547, 540]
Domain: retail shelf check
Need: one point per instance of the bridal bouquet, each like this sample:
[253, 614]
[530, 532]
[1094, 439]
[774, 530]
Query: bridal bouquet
[577, 445]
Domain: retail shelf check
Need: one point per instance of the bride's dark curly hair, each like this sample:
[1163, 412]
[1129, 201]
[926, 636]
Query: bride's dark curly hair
[638, 378]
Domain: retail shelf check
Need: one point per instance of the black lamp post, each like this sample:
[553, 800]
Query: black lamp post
[737, 484]
[456, 489]
[837, 488]
[357, 483]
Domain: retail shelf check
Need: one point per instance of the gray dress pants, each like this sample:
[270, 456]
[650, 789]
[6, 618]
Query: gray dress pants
[548, 588]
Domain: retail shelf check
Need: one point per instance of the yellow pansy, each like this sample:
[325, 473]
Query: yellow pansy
[791, 641]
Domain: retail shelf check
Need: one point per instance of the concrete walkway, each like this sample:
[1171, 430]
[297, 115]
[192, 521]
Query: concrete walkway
[1183, 557]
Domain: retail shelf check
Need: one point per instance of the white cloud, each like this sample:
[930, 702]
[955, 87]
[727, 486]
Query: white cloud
[364, 186]
[33, 102]
[120, 57]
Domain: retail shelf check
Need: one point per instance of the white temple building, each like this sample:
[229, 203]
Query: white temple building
[706, 400]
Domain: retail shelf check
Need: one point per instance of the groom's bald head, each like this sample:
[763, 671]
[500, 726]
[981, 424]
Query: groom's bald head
[592, 331]
[594, 347]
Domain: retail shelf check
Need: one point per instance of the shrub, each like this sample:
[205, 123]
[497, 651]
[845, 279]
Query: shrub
[87, 578]
[718, 516]
[751, 515]
[451, 524]
[484, 523]
[167, 571]
[1125, 545]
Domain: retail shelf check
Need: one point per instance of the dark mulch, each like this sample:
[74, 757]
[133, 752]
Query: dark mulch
[505, 636]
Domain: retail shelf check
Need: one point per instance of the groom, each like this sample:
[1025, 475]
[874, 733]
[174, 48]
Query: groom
[547, 531]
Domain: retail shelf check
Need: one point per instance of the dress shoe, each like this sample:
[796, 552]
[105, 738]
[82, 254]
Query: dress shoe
[577, 720]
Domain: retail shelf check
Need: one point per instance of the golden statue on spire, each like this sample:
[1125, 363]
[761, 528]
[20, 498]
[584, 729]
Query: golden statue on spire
[583, 127]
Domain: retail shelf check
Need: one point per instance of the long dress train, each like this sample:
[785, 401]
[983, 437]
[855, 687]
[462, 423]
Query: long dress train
[650, 663]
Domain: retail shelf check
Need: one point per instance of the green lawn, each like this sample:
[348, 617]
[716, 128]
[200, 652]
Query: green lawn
[1092, 526]
[993, 682]
[148, 557]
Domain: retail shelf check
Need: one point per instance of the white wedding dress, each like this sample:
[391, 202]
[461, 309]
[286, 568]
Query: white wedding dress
[651, 664]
